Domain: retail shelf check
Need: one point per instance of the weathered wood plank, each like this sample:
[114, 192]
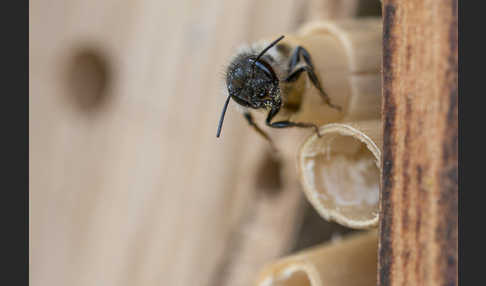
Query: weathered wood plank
[128, 184]
[419, 208]
[136, 189]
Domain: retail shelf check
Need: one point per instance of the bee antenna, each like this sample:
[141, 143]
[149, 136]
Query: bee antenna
[221, 119]
[269, 47]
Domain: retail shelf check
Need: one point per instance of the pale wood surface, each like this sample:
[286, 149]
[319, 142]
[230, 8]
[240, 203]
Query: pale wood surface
[419, 207]
[135, 189]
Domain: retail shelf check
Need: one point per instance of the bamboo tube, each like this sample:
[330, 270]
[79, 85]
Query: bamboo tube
[347, 58]
[351, 261]
[340, 172]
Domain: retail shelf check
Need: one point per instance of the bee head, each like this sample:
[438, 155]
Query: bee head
[251, 81]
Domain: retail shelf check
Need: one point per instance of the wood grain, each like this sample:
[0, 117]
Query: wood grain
[419, 208]
[128, 183]
[136, 189]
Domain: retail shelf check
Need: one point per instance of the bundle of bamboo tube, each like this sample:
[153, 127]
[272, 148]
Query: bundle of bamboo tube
[340, 169]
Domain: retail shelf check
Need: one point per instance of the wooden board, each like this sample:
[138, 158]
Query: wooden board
[419, 207]
[128, 184]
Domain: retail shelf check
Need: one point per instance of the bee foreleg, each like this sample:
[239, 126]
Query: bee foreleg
[286, 123]
[295, 58]
[309, 68]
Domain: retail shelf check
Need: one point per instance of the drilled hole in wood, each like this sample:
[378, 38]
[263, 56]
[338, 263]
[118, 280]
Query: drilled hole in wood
[268, 177]
[89, 77]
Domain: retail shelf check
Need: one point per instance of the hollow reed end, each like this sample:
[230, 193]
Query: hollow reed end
[350, 261]
[340, 172]
[347, 54]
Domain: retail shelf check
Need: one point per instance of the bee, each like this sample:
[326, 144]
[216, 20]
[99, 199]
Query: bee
[263, 79]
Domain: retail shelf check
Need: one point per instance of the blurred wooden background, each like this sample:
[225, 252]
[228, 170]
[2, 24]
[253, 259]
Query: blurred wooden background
[128, 183]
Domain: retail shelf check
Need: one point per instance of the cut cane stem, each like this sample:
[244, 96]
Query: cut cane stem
[340, 172]
[347, 59]
[351, 261]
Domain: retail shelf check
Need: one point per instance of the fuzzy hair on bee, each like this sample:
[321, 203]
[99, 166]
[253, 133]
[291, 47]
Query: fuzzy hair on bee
[263, 76]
